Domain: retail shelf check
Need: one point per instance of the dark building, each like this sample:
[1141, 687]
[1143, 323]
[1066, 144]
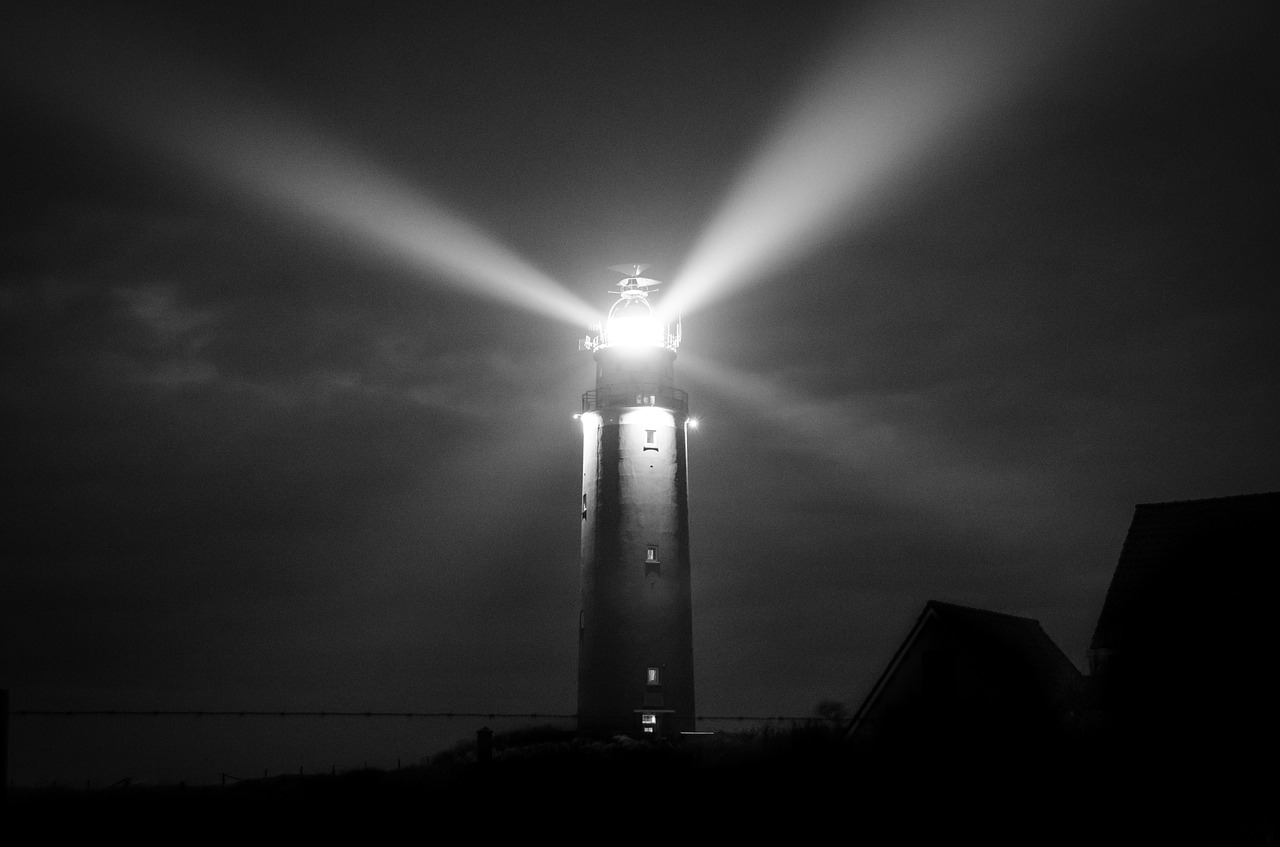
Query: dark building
[635, 629]
[1174, 736]
[964, 673]
[1185, 652]
[1188, 572]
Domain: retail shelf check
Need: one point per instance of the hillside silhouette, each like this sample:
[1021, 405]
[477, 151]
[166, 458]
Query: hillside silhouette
[799, 781]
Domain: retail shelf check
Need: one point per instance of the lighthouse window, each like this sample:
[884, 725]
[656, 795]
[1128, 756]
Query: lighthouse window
[653, 677]
[651, 553]
[651, 439]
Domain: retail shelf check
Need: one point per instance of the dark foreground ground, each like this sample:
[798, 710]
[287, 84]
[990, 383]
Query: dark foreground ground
[804, 784]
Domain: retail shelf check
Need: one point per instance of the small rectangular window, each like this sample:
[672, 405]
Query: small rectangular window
[651, 439]
[649, 719]
[651, 553]
[653, 677]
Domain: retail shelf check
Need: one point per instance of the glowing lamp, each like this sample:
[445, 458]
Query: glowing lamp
[632, 326]
[632, 322]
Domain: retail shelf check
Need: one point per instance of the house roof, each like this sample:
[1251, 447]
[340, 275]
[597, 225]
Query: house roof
[1015, 655]
[1188, 551]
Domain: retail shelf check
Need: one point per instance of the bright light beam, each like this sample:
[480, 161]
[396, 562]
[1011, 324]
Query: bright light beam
[895, 89]
[335, 189]
[856, 437]
[161, 99]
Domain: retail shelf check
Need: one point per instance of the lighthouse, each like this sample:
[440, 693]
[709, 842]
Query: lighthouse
[635, 625]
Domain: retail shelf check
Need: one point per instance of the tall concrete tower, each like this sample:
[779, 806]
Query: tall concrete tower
[635, 628]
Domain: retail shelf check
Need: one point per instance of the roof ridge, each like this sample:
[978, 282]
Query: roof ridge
[1211, 499]
[945, 604]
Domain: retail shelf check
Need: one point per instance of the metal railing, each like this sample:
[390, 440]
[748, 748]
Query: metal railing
[636, 394]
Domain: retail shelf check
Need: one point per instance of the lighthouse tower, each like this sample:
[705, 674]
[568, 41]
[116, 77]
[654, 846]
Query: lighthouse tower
[635, 628]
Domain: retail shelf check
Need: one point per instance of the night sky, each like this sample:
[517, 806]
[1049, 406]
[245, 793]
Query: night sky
[289, 305]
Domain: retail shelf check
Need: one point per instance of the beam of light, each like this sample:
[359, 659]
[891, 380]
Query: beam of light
[890, 462]
[163, 100]
[335, 189]
[896, 89]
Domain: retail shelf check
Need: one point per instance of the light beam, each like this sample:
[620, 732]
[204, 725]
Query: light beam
[894, 90]
[855, 438]
[335, 189]
[162, 99]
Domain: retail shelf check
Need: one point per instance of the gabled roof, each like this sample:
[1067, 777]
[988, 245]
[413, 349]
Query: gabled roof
[1016, 656]
[1189, 550]
[1016, 653]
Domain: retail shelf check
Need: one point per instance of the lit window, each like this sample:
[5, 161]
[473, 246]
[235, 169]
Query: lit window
[653, 677]
[651, 439]
[651, 553]
[649, 719]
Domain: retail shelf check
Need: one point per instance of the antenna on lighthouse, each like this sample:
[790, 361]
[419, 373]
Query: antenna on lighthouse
[630, 268]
